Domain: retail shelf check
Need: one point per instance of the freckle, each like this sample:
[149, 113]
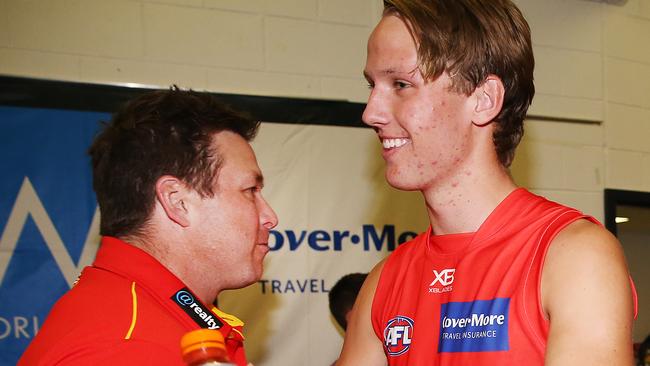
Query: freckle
[420, 165]
[455, 184]
[468, 173]
[434, 163]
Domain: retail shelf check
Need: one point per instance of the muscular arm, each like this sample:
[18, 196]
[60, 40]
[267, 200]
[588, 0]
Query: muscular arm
[361, 346]
[587, 296]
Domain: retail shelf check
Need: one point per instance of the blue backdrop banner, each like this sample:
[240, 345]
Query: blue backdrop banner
[48, 216]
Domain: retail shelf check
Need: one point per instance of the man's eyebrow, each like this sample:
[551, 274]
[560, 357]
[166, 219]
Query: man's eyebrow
[389, 71]
[259, 179]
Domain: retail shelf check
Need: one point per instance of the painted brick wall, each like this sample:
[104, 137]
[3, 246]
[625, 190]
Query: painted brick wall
[593, 63]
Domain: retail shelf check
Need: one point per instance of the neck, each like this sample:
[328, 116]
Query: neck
[463, 202]
[165, 249]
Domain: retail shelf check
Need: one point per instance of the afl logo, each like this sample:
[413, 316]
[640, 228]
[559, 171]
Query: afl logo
[184, 298]
[397, 335]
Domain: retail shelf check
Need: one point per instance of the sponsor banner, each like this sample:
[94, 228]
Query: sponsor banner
[474, 326]
[48, 217]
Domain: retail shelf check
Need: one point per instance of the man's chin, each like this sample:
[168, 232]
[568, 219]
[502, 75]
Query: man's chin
[399, 182]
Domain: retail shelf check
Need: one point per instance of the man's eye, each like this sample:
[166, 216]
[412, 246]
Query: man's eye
[401, 85]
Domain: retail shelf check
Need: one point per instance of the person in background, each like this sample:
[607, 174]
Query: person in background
[342, 296]
[502, 276]
[643, 353]
[182, 218]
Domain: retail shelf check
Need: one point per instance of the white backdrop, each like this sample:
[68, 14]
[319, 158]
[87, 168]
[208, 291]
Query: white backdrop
[327, 186]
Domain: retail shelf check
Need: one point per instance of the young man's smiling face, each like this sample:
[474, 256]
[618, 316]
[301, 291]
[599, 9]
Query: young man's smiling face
[424, 126]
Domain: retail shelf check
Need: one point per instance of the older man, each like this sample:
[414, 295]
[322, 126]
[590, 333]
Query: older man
[182, 218]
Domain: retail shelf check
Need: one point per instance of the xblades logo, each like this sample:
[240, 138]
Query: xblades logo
[203, 317]
[445, 278]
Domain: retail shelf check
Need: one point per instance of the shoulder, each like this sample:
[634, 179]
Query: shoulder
[587, 295]
[583, 253]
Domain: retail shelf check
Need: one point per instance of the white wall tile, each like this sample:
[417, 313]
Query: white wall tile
[567, 24]
[342, 49]
[307, 9]
[568, 73]
[252, 6]
[358, 12]
[190, 3]
[74, 26]
[646, 171]
[627, 128]
[630, 7]
[584, 168]
[39, 64]
[203, 37]
[354, 90]
[263, 83]
[292, 46]
[645, 9]
[628, 82]
[4, 24]
[623, 170]
[573, 134]
[627, 37]
[103, 70]
[538, 165]
[549, 105]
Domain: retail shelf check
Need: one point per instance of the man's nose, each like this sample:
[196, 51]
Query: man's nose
[375, 115]
[268, 217]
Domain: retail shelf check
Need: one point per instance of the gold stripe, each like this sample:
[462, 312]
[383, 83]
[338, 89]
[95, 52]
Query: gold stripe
[134, 318]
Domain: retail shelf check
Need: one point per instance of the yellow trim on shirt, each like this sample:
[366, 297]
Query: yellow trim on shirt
[232, 320]
[134, 317]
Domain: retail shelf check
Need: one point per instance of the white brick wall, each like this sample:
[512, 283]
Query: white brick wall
[593, 63]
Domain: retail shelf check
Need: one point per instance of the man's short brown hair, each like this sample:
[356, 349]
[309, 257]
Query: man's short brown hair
[165, 132]
[471, 39]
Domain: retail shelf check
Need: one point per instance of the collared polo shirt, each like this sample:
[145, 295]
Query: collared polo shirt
[127, 308]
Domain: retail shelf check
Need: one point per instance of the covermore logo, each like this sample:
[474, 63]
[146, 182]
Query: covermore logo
[371, 238]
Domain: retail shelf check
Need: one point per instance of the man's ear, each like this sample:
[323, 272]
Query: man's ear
[489, 101]
[172, 195]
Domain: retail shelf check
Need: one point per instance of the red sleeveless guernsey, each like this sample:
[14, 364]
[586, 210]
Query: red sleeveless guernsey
[471, 299]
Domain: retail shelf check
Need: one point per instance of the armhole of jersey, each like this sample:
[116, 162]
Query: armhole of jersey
[551, 231]
[375, 309]
[374, 315]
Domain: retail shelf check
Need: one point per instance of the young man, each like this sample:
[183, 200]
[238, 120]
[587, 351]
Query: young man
[182, 218]
[502, 276]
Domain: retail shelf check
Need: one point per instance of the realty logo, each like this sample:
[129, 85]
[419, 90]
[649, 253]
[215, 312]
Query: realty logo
[445, 278]
[202, 316]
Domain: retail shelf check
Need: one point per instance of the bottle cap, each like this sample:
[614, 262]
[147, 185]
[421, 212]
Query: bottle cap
[200, 339]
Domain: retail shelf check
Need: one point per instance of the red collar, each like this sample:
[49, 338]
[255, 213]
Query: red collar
[134, 264]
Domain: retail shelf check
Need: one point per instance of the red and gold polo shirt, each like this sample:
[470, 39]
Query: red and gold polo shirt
[127, 308]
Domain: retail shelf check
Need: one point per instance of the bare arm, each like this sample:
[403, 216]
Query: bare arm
[587, 296]
[361, 346]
